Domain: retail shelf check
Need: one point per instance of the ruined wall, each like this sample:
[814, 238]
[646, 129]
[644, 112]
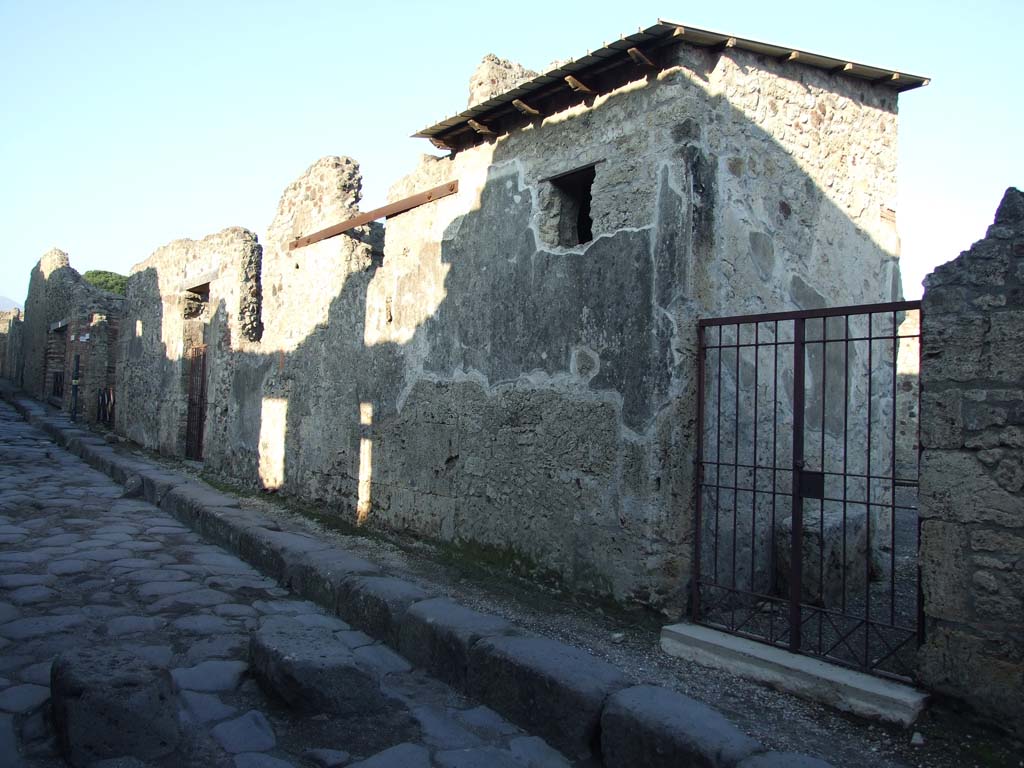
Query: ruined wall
[188, 293]
[58, 296]
[972, 472]
[10, 328]
[485, 386]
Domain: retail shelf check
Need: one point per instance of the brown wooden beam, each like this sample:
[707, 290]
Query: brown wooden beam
[639, 58]
[392, 209]
[525, 108]
[576, 85]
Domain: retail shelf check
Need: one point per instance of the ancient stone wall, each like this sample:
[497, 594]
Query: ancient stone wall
[486, 384]
[188, 293]
[972, 472]
[65, 315]
[10, 325]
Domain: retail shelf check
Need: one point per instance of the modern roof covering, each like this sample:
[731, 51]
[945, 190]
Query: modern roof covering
[569, 83]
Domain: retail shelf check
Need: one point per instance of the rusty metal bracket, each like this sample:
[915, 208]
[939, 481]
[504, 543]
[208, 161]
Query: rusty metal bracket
[392, 209]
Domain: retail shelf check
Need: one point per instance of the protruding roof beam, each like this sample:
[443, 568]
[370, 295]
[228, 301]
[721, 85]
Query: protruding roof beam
[639, 58]
[576, 85]
[480, 128]
[525, 108]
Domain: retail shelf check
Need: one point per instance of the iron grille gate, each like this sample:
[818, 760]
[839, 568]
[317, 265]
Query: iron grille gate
[196, 403]
[807, 528]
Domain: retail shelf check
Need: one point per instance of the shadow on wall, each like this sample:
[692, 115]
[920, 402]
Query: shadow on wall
[540, 412]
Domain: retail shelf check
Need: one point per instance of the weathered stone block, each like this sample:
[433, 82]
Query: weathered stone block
[944, 573]
[834, 557]
[438, 634]
[320, 575]
[109, 703]
[312, 671]
[549, 688]
[377, 604]
[658, 728]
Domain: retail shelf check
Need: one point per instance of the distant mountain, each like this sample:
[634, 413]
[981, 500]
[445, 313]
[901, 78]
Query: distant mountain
[6, 304]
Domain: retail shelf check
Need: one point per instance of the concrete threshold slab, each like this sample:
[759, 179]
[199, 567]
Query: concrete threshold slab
[844, 689]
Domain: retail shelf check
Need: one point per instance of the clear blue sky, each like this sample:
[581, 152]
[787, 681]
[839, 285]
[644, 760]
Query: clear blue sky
[126, 125]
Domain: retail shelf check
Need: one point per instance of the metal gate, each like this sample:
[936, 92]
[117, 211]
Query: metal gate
[196, 403]
[806, 529]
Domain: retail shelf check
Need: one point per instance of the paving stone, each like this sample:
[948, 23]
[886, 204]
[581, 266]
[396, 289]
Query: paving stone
[259, 760]
[205, 707]
[104, 554]
[441, 730]
[249, 733]
[160, 588]
[479, 757]
[15, 580]
[67, 567]
[166, 530]
[110, 703]
[142, 546]
[199, 598]
[20, 629]
[210, 676]
[321, 620]
[663, 728]
[327, 758]
[234, 610]
[133, 563]
[8, 612]
[116, 538]
[129, 625]
[22, 557]
[200, 624]
[120, 762]
[535, 753]
[155, 574]
[31, 595]
[60, 540]
[400, 756]
[287, 607]
[158, 655]
[220, 646]
[9, 743]
[486, 721]
[12, 661]
[21, 699]
[37, 674]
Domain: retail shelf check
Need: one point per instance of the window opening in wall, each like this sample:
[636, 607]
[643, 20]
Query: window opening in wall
[573, 191]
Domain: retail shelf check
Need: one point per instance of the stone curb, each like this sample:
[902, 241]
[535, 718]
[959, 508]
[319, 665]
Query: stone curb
[578, 703]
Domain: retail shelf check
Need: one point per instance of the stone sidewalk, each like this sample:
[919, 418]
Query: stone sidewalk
[84, 570]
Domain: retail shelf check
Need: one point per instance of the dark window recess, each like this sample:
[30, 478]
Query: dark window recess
[575, 226]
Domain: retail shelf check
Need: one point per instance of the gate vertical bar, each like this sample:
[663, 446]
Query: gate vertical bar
[797, 533]
[74, 388]
[698, 481]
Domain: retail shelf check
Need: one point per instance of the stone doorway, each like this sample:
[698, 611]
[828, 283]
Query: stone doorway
[807, 526]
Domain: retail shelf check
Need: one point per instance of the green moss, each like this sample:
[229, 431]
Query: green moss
[108, 281]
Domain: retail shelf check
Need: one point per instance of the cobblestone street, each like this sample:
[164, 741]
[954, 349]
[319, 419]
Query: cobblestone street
[88, 574]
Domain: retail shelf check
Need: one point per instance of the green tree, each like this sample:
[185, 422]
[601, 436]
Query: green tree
[108, 281]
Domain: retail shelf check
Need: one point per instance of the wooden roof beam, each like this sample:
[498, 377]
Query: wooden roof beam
[392, 209]
[480, 128]
[525, 108]
[577, 86]
[639, 58]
